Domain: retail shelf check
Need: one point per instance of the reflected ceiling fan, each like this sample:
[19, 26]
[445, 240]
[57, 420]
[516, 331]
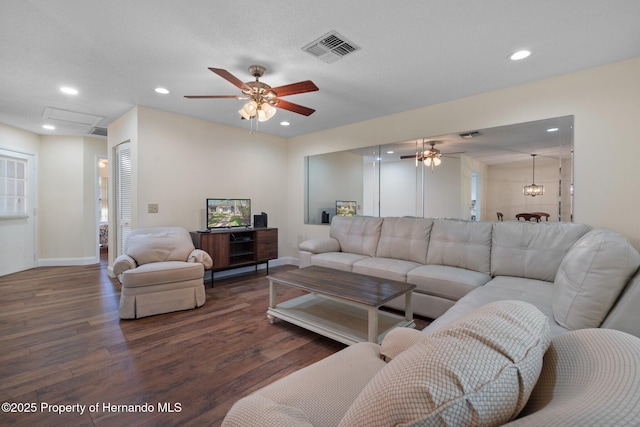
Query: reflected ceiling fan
[263, 98]
[430, 157]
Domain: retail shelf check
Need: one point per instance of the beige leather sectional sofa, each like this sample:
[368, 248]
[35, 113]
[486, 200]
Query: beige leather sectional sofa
[577, 275]
[536, 325]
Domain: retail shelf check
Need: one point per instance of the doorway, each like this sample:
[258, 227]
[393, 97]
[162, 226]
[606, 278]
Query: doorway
[475, 197]
[103, 203]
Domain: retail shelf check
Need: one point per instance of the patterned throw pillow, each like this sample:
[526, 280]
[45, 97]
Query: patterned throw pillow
[479, 370]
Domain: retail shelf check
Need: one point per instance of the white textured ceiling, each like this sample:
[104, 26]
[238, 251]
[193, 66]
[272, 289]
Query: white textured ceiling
[414, 53]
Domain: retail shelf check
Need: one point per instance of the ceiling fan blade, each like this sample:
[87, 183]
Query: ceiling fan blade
[411, 156]
[214, 96]
[290, 106]
[230, 78]
[295, 88]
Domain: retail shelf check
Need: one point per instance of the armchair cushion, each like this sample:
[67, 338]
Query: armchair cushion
[158, 244]
[158, 273]
[479, 370]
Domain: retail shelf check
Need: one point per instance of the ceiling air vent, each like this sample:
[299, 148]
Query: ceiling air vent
[469, 135]
[331, 47]
[99, 131]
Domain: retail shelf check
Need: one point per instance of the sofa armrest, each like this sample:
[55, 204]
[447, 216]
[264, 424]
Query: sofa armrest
[198, 255]
[320, 245]
[315, 395]
[398, 340]
[122, 264]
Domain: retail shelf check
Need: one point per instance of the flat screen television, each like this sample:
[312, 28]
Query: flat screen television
[226, 213]
[346, 208]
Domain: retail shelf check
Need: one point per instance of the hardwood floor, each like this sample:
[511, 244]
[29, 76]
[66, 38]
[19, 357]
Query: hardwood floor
[62, 343]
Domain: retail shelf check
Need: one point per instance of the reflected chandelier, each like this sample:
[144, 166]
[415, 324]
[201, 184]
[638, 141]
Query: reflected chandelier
[533, 189]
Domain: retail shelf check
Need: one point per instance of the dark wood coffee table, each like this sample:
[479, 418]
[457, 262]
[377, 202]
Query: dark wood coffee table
[340, 305]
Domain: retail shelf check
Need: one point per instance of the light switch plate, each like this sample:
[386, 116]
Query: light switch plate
[152, 208]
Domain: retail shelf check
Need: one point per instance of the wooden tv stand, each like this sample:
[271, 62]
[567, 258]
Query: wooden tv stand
[238, 247]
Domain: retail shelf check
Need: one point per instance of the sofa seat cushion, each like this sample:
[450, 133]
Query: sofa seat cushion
[537, 292]
[480, 370]
[158, 273]
[591, 277]
[318, 395]
[386, 268]
[446, 282]
[338, 260]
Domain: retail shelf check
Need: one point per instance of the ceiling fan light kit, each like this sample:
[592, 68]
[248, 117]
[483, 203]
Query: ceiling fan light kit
[533, 189]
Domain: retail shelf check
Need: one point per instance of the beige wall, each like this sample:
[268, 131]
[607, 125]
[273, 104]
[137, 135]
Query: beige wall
[180, 161]
[67, 194]
[604, 100]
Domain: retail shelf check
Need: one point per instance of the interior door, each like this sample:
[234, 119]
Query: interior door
[18, 177]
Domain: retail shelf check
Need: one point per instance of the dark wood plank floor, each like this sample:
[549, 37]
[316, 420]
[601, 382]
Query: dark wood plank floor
[62, 343]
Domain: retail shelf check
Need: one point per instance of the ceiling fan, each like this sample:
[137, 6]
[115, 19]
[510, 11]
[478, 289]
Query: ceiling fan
[263, 98]
[430, 157]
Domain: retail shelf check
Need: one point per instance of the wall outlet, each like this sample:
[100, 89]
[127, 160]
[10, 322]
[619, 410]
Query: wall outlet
[152, 208]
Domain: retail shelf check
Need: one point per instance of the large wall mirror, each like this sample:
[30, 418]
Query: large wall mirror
[473, 175]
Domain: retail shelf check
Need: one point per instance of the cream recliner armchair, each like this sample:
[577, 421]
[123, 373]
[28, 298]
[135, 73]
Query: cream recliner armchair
[160, 271]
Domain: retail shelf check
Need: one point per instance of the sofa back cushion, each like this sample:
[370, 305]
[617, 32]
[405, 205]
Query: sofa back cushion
[590, 278]
[479, 370]
[357, 234]
[158, 244]
[405, 238]
[532, 250]
[463, 244]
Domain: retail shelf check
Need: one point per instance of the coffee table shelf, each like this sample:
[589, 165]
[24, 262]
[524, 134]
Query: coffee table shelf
[342, 321]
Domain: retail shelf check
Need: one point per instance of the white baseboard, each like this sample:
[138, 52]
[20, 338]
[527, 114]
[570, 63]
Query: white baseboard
[64, 262]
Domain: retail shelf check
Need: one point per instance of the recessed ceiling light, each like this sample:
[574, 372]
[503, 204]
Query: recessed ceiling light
[69, 90]
[162, 90]
[390, 152]
[521, 54]
[553, 130]
[49, 127]
[284, 123]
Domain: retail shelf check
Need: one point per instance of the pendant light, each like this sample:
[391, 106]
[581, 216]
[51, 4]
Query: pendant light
[533, 189]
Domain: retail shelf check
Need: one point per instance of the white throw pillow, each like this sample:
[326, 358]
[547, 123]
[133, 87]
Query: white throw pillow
[479, 370]
[591, 277]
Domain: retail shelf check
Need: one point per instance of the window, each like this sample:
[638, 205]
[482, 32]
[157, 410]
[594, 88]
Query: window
[13, 187]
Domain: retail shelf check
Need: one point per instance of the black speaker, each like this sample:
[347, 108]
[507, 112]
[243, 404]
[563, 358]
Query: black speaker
[260, 221]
